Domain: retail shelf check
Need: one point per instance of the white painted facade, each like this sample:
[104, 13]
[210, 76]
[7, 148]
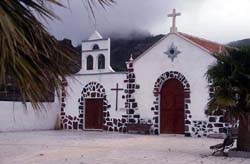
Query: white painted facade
[192, 62]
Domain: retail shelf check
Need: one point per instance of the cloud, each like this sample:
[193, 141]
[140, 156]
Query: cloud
[221, 21]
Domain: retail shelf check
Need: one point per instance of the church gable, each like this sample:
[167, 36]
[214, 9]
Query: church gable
[172, 51]
[175, 50]
[208, 47]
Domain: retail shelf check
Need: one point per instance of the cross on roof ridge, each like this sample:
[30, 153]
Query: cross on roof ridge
[173, 29]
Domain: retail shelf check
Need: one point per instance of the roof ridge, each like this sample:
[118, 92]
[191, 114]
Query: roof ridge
[212, 46]
[182, 33]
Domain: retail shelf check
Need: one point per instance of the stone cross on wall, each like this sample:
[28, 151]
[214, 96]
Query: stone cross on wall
[117, 89]
[173, 15]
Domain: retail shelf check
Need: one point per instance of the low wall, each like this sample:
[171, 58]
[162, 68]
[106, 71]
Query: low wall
[14, 116]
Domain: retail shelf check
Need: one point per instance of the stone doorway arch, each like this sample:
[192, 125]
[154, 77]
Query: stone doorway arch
[156, 108]
[93, 92]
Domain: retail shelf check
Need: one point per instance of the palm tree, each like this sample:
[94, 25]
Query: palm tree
[230, 77]
[35, 60]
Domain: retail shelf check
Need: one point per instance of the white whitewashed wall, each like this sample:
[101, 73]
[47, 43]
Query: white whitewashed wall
[15, 117]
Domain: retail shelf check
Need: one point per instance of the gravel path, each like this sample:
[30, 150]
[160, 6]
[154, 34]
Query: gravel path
[81, 147]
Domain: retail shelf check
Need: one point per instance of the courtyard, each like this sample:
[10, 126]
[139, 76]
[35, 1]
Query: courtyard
[89, 147]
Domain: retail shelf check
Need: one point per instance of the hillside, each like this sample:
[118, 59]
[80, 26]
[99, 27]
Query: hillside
[240, 43]
[121, 49]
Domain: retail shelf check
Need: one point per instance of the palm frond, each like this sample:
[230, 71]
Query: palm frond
[93, 3]
[36, 61]
[231, 82]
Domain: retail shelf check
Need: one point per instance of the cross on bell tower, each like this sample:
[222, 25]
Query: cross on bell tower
[173, 29]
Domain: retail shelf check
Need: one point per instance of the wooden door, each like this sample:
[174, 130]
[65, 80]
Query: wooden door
[172, 107]
[94, 114]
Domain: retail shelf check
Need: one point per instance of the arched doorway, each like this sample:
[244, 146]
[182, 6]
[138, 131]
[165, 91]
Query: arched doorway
[93, 106]
[172, 107]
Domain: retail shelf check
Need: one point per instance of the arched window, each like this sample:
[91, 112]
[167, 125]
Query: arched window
[101, 61]
[95, 47]
[89, 62]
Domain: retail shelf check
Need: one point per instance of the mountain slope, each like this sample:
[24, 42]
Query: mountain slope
[121, 49]
[240, 43]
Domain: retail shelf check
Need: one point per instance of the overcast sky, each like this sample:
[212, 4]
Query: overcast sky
[218, 20]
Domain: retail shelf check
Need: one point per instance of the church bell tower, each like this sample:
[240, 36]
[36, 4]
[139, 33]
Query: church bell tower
[96, 55]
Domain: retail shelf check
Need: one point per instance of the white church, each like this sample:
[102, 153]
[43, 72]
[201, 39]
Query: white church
[165, 88]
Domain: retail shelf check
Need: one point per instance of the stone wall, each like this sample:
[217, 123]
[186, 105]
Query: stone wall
[214, 124]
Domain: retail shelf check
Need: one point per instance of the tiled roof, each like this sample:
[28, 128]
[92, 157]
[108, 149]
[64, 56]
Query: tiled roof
[212, 47]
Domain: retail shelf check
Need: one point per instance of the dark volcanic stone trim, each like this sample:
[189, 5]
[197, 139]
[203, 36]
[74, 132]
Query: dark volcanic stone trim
[214, 125]
[67, 121]
[131, 104]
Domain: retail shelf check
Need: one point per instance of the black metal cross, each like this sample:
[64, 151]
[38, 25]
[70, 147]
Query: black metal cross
[117, 89]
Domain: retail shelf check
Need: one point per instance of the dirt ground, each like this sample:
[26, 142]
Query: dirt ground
[86, 147]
